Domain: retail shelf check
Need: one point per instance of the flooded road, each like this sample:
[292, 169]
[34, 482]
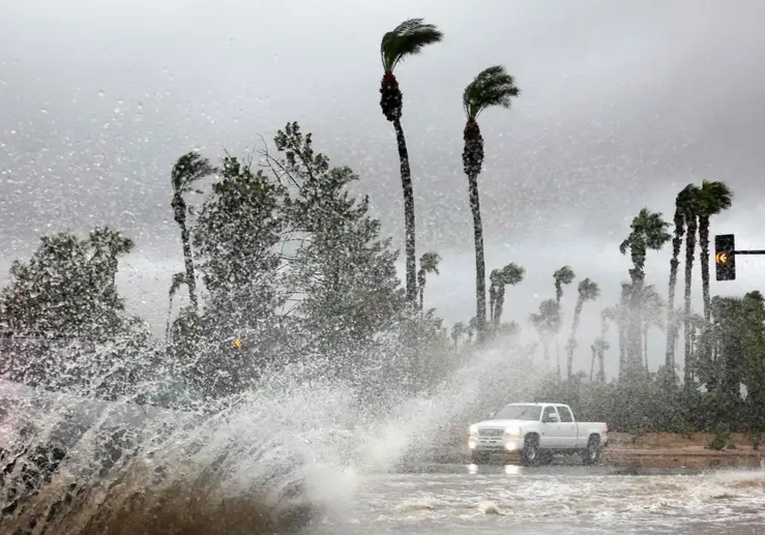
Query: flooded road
[483, 500]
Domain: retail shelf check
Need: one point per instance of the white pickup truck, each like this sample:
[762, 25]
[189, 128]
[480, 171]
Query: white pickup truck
[537, 431]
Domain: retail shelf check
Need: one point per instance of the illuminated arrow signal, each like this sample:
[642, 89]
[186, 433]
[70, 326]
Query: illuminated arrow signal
[721, 258]
[237, 343]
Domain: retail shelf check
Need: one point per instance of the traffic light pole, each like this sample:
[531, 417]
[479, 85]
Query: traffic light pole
[750, 251]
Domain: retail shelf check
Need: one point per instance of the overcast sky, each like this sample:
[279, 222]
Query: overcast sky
[622, 104]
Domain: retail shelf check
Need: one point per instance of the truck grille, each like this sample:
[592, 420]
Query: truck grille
[490, 432]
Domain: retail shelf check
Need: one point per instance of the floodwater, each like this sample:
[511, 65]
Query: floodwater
[451, 499]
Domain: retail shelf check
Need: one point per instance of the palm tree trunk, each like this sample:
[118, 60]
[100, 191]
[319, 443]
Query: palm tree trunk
[602, 363]
[690, 249]
[704, 259]
[572, 340]
[645, 348]
[492, 301]
[674, 264]
[499, 305]
[189, 261]
[622, 350]
[592, 364]
[409, 220]
[169, 314]
[634, 326]
[480, 261]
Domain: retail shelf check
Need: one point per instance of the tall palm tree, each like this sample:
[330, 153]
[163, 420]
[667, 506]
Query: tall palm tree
[683, 201]
[428, 264]
[562, 277]
[691, 226]
[492, 87]
[622, 320]
[510, 275]
[588, 291]
[648, 232]
[406, 39]
[712, 198]
[190, 168]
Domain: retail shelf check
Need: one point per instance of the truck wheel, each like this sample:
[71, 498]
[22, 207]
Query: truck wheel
[591, 455]
[530, 451]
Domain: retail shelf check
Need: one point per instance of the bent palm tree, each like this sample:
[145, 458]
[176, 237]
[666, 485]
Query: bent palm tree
[588, 291]
[712, 198]
[406, 39]
[510, 275]
[189, 168]
[492, 87]
[547, 323]
[563, 277]
[682, 202]
[648, 231]
[428, 264]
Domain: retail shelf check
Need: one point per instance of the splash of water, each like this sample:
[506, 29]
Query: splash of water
[268, 461]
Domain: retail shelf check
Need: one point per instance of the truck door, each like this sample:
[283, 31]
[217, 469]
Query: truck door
[568, 426]
[552, 436]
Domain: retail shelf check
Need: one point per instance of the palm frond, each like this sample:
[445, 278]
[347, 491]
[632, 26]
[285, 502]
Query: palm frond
[188, 169]
[407, 39]
[493, 86]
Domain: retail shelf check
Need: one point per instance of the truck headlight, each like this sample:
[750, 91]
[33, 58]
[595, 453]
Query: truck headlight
[473, 430]
[513, 432]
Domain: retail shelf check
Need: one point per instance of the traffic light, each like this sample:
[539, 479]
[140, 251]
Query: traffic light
[725, 257]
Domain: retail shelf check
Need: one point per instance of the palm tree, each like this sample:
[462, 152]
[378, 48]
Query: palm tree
[492, 87]
[510, 275]
[653, 315]
[588, 291]
[546, 322]
[428, 264]
[648, 231]
[712, 198]
[622, 319]
[683, 202]
[457, 331]
[189, 168]
[406, 39]
[607, 315]
[563, 277]
[691, 226]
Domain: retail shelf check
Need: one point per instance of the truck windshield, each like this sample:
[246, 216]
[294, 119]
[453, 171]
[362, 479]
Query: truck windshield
[519, 412]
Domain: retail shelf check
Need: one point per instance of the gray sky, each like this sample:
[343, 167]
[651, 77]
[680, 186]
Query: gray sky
[622, 104]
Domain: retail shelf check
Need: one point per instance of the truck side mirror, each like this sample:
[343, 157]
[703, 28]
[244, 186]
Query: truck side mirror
[491, 414]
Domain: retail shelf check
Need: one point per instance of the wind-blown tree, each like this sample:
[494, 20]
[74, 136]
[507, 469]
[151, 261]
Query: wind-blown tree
[407, 39]
[712, 198]
[648, 232]
[547, 324]
[607, 315]
[492, 87]
[67, 287]
[458, 329]
[653, 315]
[683, 206]
[189, 169]
[691, 227]
[428, 264]
[562, 277]
[588, 291]
[510, 275]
